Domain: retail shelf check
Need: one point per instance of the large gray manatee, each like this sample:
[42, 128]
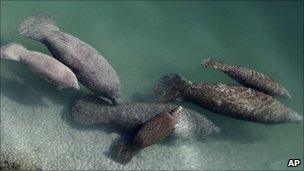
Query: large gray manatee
[90, 67]
[90, 110]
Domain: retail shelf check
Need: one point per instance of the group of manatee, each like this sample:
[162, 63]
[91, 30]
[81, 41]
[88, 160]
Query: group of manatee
[149, 122]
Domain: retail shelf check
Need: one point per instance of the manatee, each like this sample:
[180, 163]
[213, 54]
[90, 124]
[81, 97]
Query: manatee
[249, 78]
[90, 67]
[128, 116]
[230, 100]
[149, 133]
[42, 65]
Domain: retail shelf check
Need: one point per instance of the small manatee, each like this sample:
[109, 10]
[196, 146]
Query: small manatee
[42, 65]
[249, 78]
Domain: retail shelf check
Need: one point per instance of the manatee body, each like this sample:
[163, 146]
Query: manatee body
[128, 116]
[231, 100]
[90, 67]
[249, 78]
[42, 65]
[149, 133]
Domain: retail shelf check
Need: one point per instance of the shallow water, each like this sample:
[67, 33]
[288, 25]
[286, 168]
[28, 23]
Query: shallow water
[144, 41]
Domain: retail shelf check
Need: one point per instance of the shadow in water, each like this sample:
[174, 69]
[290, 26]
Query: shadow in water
[236, 131]
[18, 91]
[143, 97]
[121, 140]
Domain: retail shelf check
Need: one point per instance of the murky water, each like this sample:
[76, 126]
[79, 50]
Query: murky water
[144, 41]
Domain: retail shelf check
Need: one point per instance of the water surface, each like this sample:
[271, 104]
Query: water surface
[144, 41]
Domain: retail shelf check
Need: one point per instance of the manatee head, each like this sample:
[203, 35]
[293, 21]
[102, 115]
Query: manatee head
[70, 80]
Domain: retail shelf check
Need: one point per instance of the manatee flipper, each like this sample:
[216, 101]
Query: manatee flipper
[169, 87]
[38, 26]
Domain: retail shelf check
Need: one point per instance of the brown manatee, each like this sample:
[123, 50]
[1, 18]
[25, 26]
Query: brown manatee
[230, 100]
[42, 65]
[249, 77]
[90, 67]
[149, 133]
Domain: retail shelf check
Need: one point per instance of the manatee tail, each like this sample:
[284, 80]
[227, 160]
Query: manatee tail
[170, 87]
[12, 51]
[211, 63]
[91, 110]
[122, 153]
[37, 26]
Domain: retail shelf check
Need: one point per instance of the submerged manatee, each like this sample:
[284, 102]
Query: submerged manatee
[90, 67]
[249, 77]
[90, 110]
[150, 132]
[231, 100]
[42, 65]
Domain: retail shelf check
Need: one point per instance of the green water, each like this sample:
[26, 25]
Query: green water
[144, 41]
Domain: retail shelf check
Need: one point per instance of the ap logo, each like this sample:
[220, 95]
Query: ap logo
[293, 162]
